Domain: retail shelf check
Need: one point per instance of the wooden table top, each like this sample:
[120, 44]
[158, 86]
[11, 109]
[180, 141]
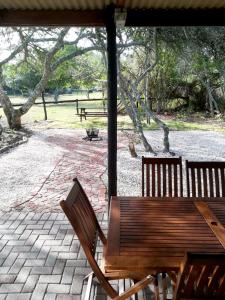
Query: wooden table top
[154, 233]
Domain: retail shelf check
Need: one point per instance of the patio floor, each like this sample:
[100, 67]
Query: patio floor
[40, 257]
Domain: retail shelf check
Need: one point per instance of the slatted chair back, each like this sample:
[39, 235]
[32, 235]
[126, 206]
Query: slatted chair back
[205, 178]
[202, 276]
[85, 224]
[162, 177]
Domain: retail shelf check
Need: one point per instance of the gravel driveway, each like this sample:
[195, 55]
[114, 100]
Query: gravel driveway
[24, 169]
[191, 145]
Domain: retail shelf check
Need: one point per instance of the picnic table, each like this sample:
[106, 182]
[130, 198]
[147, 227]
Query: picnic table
[154, 233]
[93, 113]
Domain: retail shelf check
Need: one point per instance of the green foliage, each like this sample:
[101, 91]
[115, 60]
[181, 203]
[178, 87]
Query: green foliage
[22, 79]
[187, 60]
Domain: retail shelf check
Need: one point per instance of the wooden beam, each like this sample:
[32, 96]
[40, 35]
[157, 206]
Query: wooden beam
[96, 18]
[92, 18]
[175, 17]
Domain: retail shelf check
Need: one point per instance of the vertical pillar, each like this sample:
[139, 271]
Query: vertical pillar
[112, 102]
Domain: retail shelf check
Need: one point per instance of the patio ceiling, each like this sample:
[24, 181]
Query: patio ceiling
[101, 4]
[93, 12]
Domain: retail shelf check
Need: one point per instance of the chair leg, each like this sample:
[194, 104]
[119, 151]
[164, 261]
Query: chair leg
[164, 286]
[121, 286]
[89, 284]
[156, 283]
[88, 275]
[135, 295]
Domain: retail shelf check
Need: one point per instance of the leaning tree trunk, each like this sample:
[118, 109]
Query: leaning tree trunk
[212, 102]
[13, 116]
[151, 115]
[134, 115]
[161, 124]
[1, 128]
[139, 127]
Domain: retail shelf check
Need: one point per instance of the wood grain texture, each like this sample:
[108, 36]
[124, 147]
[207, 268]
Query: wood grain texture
[212, 221]
[162, 177]
[205, 178]
[156, 233]
[201, 276]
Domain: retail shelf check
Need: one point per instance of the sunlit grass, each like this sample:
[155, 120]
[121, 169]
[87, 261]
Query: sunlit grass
[64, 116]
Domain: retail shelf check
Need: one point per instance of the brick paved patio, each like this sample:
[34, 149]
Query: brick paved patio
[40, 257]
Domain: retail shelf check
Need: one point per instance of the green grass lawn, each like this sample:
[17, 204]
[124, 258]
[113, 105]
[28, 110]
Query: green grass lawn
[64, 116]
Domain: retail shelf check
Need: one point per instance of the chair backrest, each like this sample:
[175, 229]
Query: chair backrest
[85, 224]
[162, 177]
[205, 178]
[202, 276]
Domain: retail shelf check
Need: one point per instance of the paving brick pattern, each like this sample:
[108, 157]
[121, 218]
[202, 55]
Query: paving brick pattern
[40, 257]
[45, 260]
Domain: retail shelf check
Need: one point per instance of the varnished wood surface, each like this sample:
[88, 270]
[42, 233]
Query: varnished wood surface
[201, 276]
[205, 178]
[212, 221]
[162, 177]
[154, 233]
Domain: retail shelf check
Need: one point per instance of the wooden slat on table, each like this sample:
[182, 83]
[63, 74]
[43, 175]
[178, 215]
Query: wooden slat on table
[157, 232]
[114, 226]
[150, 215]
[212, 221]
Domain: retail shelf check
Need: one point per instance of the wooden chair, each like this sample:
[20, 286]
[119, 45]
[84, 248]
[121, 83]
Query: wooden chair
[85, 224]
[162, 177]
[205, 178]
[202, 276]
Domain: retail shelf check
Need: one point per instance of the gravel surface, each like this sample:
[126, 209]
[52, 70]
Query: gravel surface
[192, 145]
[24, 168]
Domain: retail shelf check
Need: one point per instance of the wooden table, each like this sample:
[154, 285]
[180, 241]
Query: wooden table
[154, 233]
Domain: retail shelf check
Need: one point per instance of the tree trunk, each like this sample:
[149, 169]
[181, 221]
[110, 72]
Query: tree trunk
[211, 100]
[147, 97]
[133, 112]
[1, 128]
[56, 95]
[132, 149]
[16, 120]
[151, 115]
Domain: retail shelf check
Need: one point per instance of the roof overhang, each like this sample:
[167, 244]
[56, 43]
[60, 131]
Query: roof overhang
[97, 18]
[94, 13]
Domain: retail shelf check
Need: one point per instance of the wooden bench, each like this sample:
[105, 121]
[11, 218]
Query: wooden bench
[85, 114]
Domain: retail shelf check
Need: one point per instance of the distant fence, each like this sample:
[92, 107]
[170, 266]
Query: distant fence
[60, 101]
[44, 103]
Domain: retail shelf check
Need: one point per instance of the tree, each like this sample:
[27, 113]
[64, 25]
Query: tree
[130, 86]
[1, 128]
[39, 47]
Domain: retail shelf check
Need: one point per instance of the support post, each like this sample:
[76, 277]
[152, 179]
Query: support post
[112, 102]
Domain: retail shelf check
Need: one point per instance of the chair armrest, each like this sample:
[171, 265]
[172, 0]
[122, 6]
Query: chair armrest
[135, 288]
